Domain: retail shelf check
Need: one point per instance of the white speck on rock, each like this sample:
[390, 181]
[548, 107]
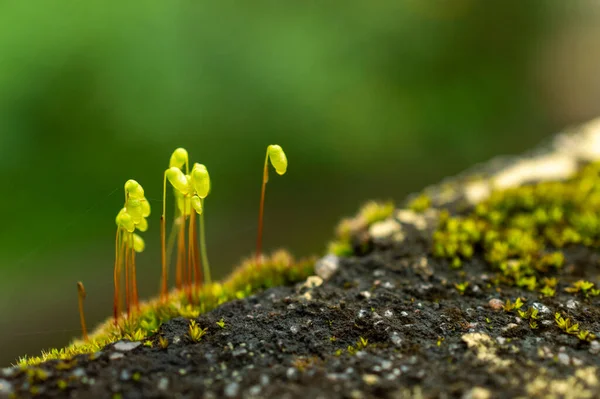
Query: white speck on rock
[495, 304]
[595, 347]
[501, 340]
[370, 379]
[477, 393]
[572, 304]
[388, 313]
[176, 340]
[78, 372]
[254, 390]
[404, 314]
[291, 373]
[126, 346]
[125, 375]
[312, 282]
[8, 371]
[5, 387]
[231, 390]
[327, 266]
[564, 358]
[294, 329]
[407, 216]
[115, 356]
[386, 229]
[163, 384]
[396, 339]
[264, 379]
[541, 308]
[362, 313]
[365, 294]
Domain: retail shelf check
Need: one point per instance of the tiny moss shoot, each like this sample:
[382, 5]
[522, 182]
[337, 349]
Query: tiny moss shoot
[201, 185]
[279, 161]
[131, 217]
[178, 160]
[81, 297]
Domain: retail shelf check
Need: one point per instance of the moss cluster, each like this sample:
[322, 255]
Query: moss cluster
[351, 228]
[278, 269]
[521, 231]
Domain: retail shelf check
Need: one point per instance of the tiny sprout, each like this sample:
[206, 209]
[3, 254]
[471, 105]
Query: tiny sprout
[462, 287]
[196, 333]
[508, 307]
[81, 295]
[279, 161]
[163, 342]
[548, 291]
[221, 323]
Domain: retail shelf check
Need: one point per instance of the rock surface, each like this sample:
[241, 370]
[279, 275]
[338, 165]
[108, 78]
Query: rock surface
[389, 323]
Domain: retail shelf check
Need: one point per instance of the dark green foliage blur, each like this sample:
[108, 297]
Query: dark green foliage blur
[369, 99]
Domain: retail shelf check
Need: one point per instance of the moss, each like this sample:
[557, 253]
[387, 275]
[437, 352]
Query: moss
[420, 204]
[350, 228]
[521, 231]
[278, 269]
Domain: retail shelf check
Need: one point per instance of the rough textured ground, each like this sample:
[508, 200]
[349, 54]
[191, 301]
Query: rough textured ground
[387, 323]
[423, 338]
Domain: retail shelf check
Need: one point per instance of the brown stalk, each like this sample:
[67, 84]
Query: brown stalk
[81, 296]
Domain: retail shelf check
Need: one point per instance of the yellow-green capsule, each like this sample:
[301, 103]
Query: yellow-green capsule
[125, 221]
[135, 209]
[142, 225]
[145, 207]
[134, 189]
[197, 204]
[138, 243]
[178, 180]
[278, 158]
[179, 158]
[200, 180]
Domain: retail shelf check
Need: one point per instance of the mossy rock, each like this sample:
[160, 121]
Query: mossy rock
[485, 286]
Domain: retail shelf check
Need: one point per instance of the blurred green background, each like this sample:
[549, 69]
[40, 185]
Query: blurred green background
[369, 99]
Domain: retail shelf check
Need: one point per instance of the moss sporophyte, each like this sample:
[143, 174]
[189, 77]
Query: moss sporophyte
[194, 292]
[279, 161]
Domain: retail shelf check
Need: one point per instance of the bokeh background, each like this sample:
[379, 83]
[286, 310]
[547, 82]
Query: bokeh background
[370, 99]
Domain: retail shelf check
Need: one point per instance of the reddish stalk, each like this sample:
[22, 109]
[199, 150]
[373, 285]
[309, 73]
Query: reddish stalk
[164, 275]
[127, 282]
[135, 298]
[163, 233]
[81, 296]
[197, 264]
[190, 259]
[117, 278]
[180, 254]
[261, 212]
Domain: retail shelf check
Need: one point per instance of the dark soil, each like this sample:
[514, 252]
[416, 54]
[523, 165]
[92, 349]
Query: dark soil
[423, 339]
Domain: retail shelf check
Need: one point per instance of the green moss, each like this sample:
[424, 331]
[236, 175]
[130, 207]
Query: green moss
[420, 204]
[278, 269]
[521, 231]
[349, 228]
